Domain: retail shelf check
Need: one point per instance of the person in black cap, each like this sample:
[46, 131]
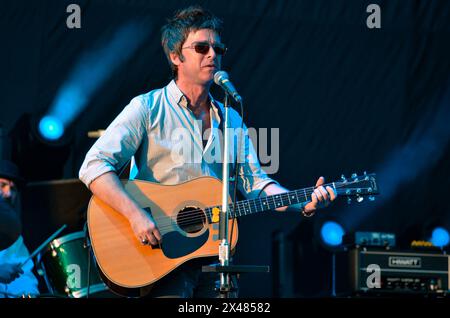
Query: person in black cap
[10, 225]
[15, 280]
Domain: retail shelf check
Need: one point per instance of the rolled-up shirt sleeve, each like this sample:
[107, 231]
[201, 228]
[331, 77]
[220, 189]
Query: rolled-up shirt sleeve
[118, 143]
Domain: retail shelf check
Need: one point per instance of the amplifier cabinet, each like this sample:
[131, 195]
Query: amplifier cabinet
[377, 270]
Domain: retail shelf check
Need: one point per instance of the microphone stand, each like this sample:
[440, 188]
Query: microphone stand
[224, 247]
[225, 269]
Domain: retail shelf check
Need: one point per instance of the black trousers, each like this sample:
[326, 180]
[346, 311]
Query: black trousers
[188, 281]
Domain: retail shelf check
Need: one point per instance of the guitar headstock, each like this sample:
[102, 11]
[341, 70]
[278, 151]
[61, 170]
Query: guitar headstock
[358, 186]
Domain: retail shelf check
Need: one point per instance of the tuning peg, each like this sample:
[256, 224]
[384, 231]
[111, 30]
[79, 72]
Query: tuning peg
[349, 200]
[343, 178]
[354, 175]
[359, 198]
[371, 198]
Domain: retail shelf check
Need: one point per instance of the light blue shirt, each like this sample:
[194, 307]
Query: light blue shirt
[165, 138]
[26, 284]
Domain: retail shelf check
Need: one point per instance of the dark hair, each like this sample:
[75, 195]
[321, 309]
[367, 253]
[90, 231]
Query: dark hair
[177, 29]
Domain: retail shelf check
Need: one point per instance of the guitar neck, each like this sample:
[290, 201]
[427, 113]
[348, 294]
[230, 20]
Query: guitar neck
[356, 186]
[271, 202]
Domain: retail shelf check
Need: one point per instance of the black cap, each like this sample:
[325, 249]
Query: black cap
[9, 170]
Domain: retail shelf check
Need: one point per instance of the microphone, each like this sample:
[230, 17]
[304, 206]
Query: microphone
[221, 79]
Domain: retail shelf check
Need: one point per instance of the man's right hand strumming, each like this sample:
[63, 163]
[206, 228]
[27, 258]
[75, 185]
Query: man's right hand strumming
[144, 228]
[110, 190]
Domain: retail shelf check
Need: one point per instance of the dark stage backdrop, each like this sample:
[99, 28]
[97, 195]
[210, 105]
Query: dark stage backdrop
[346, 98]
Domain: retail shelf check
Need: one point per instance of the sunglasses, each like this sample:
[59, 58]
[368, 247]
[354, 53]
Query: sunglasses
[203, 48]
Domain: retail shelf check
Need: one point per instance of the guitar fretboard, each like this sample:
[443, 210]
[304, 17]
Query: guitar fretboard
[247, 207]
[357, 186]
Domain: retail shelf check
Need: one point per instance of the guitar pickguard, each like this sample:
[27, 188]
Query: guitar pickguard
[175, 245]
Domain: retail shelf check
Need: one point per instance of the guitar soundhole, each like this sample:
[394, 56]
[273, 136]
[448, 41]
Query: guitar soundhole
[191, 219]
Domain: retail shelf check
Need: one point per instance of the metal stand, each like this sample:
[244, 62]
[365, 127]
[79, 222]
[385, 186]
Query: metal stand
[225, 269]
[333, 274]
[88, 246]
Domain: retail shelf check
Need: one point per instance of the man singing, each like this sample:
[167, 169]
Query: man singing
[193, 46]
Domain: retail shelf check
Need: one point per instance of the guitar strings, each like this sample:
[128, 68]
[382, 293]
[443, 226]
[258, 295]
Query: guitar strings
[197, 216]
[241, 204]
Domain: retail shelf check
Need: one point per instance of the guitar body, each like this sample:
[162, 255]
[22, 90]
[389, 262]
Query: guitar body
[187, 218]
[130, 268]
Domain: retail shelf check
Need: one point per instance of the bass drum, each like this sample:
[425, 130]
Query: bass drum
[64, 266]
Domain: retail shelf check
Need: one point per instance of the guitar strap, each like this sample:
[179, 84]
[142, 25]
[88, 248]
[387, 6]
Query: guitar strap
[124, 171]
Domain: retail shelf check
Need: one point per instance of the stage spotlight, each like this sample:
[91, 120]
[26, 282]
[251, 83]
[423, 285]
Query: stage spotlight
[440, 237]
[51, 128]
[40, 157]
[332, 233]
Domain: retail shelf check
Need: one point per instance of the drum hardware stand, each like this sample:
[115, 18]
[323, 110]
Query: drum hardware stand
[43, 245]
[37, 253]
[225, 269]
[88, 246]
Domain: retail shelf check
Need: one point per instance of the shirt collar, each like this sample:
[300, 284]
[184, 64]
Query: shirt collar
[181, 99]
[177, 94]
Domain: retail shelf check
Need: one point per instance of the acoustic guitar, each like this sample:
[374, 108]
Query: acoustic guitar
[187, 217]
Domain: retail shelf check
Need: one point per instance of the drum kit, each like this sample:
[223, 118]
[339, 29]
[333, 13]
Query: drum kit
[67, 266]
[64, 260]
[69, 270]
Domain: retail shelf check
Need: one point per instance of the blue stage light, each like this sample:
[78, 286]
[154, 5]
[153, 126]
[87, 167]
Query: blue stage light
[440, 237]
[51, 128]
[332, 233]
